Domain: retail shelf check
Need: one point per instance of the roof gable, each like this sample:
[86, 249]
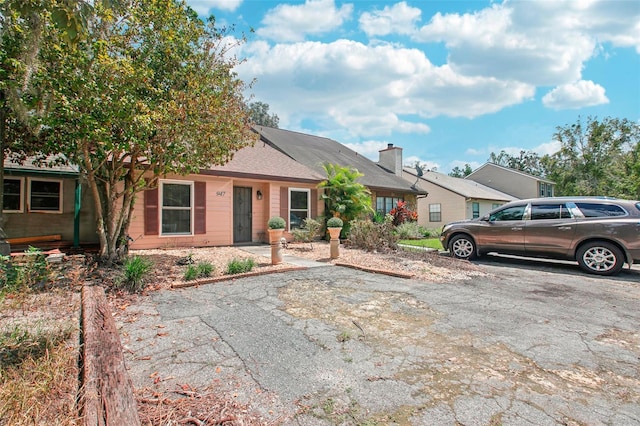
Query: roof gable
[462, 187]
[314, 151]
[503, 169]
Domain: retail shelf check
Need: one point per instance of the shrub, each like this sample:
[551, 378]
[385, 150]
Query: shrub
[276, 222]
[401, 214]
[334, 222]
[135, 270]
[409, 231]
[371, 236]
[237, 266]
[33, 273]
[309, 230]
[201, 270]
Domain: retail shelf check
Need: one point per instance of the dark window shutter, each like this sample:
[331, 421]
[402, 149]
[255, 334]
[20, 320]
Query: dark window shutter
[314, 204]
[151, 212]
[284, 204]
[200, 205]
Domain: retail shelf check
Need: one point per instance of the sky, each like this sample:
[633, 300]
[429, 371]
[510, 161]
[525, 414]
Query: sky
[448, 81]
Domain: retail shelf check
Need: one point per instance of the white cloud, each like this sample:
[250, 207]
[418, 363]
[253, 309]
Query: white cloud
[334, 82]
[203, 7]
[369, 149]
[473, 151]
[291, 23]
[538, 43]
[399, 18]
[575, 95]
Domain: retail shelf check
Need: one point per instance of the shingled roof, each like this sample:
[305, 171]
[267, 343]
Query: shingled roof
[314, 151]
[262, 161]
[463, 187]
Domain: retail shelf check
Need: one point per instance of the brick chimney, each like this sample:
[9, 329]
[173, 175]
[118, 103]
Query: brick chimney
[391, 159]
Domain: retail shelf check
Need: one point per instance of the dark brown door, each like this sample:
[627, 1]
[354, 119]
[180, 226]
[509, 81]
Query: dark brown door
[242, 214]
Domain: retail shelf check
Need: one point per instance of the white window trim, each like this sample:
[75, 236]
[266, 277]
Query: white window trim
[61, 203]
[21, 208]
[162, 207]
[308, 191]
[439, 211]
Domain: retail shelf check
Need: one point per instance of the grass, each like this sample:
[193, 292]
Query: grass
[433, 243]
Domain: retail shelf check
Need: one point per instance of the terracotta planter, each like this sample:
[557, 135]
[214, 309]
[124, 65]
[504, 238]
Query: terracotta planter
[334, 243]
[276, 248]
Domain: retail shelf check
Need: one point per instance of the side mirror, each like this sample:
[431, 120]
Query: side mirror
[485, 218]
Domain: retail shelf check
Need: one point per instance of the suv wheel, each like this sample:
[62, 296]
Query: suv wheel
[600, 257]
[462, 247]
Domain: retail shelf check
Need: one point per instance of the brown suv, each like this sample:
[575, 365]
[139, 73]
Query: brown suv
[601, 234]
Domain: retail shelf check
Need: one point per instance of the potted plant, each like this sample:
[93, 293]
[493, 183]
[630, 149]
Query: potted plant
[334, 225]
[276, 226]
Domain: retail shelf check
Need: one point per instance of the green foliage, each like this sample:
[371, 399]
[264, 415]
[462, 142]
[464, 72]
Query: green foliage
[527, 162]
[240, 266]
[259, 113]
[402, 213]
[335, 222]
[135, 271]
[201, 270]
[464, 172]
[306, 234]
[276, 222]
[409, 231]
[597, 158]
[32, 273]
[343, 196]
[371, 236]
[150, 92]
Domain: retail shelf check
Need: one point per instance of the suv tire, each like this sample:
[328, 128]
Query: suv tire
[600, 258]
[462, 246]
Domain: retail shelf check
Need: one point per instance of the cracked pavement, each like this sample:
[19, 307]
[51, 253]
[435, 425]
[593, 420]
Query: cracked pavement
[531, 343]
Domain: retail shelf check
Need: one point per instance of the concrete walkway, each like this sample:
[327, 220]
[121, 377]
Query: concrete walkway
[265, 250]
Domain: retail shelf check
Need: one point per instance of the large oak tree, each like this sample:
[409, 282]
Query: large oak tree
[151, 91]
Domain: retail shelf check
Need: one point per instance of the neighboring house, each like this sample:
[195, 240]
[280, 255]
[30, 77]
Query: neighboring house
[383, 178]
[514, 182]
[451, 199]
[47, 205]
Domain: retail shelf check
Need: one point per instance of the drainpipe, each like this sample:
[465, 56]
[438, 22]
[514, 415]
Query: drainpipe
[76, 215]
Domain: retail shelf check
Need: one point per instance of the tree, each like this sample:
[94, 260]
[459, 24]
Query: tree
[343, 195]
[259, 113]
[527, 161]
[597, 158]
[150, 92]
[461, 173]
[23, 26]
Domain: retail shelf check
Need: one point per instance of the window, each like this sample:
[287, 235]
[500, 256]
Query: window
[12, 195]
[549, 211]
[600, 210]
[177, 211]
[299, 207]
[546, 189]
[434, 213]
[495, 206]
[475, 206]
[385, 204]
[510, 213]
[45, 196]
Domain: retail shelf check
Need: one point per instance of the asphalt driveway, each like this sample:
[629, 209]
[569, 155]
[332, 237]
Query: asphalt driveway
[532, 343]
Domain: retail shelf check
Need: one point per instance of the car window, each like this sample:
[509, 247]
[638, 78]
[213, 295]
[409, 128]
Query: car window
[600, 210]
[510, 213]
[550, 211]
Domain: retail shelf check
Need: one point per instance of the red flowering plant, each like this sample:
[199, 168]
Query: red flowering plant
[401, 214]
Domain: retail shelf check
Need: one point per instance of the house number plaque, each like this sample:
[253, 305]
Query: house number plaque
[220, 193]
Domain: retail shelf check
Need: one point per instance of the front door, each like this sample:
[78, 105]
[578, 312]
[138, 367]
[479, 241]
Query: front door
[242, 214]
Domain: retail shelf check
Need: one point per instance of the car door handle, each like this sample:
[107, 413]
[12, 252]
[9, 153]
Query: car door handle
[564, 228]
[517, 228]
